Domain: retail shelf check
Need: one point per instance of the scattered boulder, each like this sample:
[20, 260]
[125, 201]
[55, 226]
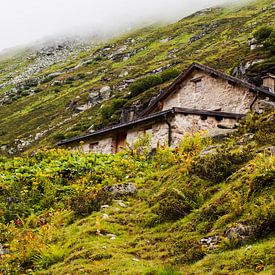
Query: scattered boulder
[55, 74]
[4, 250]
[105, 217]
[4, 147]
[96, 97]
[160, 69]
[268, 150]
[165, 40]
[121, 189]
[121, 203]
[206, 30]
[72, 105]
[136, 260]
[83, 108]
[209, 150]
[210, 242]
[123, 74]
[105, 92]
[265, 105]
[227, 126]
[111, 236]
[240, 232]
[245, 138]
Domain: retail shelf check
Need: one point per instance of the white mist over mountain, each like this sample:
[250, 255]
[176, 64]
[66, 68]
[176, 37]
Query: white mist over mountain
[25, 21]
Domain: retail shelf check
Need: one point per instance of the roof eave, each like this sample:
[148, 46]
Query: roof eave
[118, 127]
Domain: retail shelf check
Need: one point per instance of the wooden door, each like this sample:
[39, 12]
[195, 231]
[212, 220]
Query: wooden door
[120, 141]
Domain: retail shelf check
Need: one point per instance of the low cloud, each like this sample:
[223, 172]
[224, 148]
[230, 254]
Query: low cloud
[29, 20]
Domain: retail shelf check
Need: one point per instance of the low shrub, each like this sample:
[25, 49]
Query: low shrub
[108, 110]
[172, 205]
[169, 74]
[143, 84]
[263, 33]
[85, 202]
[219, 165]
[59, 137]
[147, 82]
[186, 249]
[266, 36]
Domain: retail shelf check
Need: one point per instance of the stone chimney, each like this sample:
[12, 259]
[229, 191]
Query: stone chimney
[269, 82]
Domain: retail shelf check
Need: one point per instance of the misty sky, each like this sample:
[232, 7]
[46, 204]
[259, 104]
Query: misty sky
[25, 21]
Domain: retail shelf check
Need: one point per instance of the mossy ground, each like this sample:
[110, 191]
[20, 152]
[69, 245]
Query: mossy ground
[53, 223]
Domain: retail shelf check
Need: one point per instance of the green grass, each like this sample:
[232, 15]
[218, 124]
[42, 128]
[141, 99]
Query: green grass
[56, 224]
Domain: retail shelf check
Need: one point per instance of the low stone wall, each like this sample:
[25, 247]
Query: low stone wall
[104, 146]
[158, 133]
[182, 124]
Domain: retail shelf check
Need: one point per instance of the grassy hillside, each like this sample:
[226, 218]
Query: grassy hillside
[203, 208]
[47, 95]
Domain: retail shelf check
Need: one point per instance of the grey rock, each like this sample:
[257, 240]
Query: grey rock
[123, 74]
[241, 232]
[136, 260]
[56, 83]
[227, 126]
[42, 56]
[129, 81]
[96, 97]
[121, 189]
[210, 242]
[3, 250]
[55, 74]
[83, 108]
[268, 150]
[206, 30]
[105, 217]
[160, 69]
[105, 91]
[245, 138]
[265, 105]
[165, 40]
[4, 147]
[91, 129]
[209, 150]
[84, 63]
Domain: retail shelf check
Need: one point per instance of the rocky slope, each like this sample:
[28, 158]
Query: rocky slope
[59, 91]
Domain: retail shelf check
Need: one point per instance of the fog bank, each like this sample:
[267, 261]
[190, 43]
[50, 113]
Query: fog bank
[29, 20]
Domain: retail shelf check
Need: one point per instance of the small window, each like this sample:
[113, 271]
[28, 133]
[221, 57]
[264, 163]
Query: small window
[198, 86]
[148, 130]
[92, 145]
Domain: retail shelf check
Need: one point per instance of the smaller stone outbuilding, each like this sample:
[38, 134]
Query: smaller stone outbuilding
[201, 98]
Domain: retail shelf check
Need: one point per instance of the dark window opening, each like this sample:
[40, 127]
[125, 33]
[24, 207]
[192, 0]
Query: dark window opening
[219, 118]
[147, 130]
[92, 145]
[198, 86]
